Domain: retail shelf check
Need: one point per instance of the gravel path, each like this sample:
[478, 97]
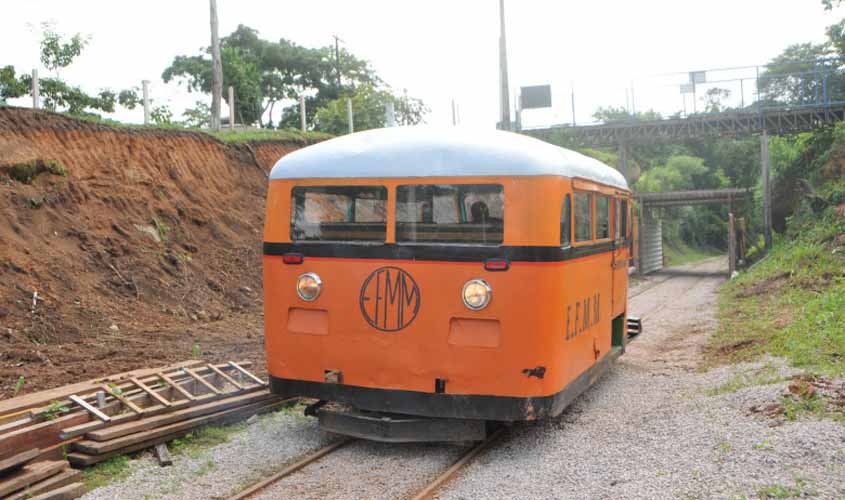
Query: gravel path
[265, 446]
[653, 427]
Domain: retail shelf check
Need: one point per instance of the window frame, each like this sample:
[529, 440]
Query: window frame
[463, 216]
[295, 209]
[592, 203]
[595, 217]
[566, 205]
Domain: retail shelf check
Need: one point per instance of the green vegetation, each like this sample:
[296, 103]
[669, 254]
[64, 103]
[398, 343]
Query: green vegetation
[677, 252]
[800, 489]
[162, 228]
[27, 171]
[260, 135]
[760, 376]
[18, 386]
[195, 442]
[793, 303]
[266, 73]
[106, 472]
[55, 409]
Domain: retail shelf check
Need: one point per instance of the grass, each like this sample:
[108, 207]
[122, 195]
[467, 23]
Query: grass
[259, 135]
[196, 442]
[27, 171]
[678, 253]
[800, 489]
[760, 376]
[791, 305]
[228, 136]
[106, 472]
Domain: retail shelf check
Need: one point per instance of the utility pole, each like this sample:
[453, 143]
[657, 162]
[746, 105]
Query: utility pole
[302, 117]
[145, 89]
[349, 115]
[390, 114]
[216, 70]
[767, 192]
[231, 108]
[504, 93]
[337, 60]
[35, 90]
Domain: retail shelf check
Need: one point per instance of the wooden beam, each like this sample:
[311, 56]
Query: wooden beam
[79, 459]
[63, 478]
[99, 448]
[249, 375]
[69, 492]
[225, 377]
[18, 460]
[176, 386]
[129, 404]
[202, 381]
[153, 394]
[124, 429]
[93, 411]
[29, 475]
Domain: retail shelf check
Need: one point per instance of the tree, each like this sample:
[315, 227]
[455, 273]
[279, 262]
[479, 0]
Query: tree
[713, 99]
[802, 74]
[612, 114]
[265, 74]
[368, 104]
[58, 53]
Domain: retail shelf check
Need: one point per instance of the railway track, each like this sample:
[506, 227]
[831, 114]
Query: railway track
[424, 494]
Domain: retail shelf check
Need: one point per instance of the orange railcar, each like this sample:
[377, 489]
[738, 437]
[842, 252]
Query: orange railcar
[444, 273]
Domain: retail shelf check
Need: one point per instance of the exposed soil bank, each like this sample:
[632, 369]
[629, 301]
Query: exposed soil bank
[140, 243]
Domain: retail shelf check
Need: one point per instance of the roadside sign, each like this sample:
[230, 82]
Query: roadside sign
[536, 96]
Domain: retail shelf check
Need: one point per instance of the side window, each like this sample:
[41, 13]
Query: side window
[566, 222]
[623, 220]
[602, 217]
[617, 220]
[583, 217]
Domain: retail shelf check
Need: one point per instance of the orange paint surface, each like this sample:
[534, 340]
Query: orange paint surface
[477, 352]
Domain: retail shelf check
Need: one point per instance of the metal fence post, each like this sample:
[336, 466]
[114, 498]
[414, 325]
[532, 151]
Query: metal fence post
[35, 90]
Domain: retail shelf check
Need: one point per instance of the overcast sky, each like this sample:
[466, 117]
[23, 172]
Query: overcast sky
[439, 50]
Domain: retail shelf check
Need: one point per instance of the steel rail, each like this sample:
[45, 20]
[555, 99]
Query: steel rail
[287, 471]
[429, 490]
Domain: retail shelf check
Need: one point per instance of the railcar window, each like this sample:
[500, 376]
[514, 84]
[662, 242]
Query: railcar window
[454, 213]
[602, 217]
[338, 213]
[622, 220]
[583, 217]
[566, 222]
[617, 219]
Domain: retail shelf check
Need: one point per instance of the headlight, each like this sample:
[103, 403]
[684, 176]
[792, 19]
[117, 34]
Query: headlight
[308, 286]
[476, 294]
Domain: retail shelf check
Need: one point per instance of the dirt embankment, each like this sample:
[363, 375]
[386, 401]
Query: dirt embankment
[125, 247]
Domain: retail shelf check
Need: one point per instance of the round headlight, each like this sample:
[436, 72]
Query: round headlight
[308, 286]
[476, 294]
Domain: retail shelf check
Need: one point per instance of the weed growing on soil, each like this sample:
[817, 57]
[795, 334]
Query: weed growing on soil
[25, 172]
[106, 472]
[18, 385]
[162, 228]
[781, 491]
[55, 409]
[196, 352]
[205, 437]
[759, 376]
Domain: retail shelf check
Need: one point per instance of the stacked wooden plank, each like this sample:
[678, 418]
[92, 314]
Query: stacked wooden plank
[129, 412]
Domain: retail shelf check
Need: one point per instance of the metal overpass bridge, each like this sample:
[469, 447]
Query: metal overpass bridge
[730, 124]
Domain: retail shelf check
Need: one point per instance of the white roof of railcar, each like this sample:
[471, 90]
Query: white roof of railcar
[424, 151]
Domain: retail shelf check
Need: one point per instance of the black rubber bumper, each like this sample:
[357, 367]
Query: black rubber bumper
[480, 407]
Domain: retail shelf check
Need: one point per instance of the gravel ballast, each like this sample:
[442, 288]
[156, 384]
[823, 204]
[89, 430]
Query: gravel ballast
[653, 427]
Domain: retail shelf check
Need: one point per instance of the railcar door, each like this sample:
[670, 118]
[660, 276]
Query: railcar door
[620, 257]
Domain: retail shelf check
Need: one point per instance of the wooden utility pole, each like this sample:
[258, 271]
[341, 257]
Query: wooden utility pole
[145, 91]
[302, 116]
[35, 90]
[337, 60]
[767, 191]
[349, 115]
[623, 159]
[504, 93]
[731, 244]
[216, 70]
[231, 107]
